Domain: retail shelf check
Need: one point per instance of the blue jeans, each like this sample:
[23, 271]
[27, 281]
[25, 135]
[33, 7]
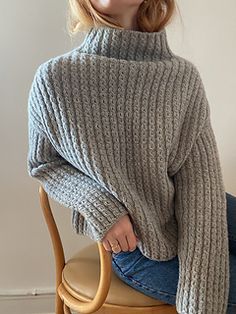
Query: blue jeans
[159, 279]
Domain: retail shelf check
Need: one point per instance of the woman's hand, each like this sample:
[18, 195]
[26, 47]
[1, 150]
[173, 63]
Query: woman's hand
[121, 233]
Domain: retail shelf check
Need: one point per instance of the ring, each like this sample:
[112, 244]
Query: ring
[114, 246]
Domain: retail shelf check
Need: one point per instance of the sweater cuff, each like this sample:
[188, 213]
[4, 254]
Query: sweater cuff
[110, 211]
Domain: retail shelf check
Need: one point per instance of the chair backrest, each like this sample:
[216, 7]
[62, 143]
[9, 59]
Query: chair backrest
[105, 259]
[55, 236]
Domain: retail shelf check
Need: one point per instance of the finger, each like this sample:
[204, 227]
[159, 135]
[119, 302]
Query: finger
[124, 245]
[113, 241]
[106, 245]
[132, 241]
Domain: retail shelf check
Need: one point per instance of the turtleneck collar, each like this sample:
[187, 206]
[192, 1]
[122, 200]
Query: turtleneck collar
[126, 44]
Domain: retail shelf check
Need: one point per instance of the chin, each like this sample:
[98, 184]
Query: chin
[128, 2]
[115, 7]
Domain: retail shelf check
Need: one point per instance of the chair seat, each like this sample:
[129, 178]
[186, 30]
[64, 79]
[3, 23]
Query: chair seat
[81, 274]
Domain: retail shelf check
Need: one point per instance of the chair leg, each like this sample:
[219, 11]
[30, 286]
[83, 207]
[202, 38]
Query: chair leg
[59, 305]
[66, 309]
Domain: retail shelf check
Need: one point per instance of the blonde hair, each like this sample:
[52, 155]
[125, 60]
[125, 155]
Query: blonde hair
[152, 16]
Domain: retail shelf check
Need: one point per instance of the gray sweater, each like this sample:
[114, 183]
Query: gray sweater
[121, 125]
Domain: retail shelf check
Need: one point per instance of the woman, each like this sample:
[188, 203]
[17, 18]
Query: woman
[120, 132]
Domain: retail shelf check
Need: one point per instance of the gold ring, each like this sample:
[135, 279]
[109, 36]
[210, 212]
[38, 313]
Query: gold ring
[114, 246]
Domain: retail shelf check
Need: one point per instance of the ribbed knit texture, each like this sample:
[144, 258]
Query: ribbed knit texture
[121, 124]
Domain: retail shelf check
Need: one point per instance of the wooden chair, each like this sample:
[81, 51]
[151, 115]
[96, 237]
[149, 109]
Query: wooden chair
[86, 283]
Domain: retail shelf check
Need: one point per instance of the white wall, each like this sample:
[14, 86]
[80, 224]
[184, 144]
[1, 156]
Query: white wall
[33, 31]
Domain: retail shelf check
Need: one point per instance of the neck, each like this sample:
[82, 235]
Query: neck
[126, 44]
[128, 18]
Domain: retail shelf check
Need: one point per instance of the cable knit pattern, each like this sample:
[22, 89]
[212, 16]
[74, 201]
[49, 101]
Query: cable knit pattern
[121, 125]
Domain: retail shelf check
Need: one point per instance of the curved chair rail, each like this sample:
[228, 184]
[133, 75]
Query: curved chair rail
[62, 295]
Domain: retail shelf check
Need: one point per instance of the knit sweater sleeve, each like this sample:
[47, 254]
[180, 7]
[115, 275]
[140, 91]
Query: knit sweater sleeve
[62, 181]
[200, 208]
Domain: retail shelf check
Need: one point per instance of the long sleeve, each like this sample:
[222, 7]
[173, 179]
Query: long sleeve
[65, 183]
[200, 208]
